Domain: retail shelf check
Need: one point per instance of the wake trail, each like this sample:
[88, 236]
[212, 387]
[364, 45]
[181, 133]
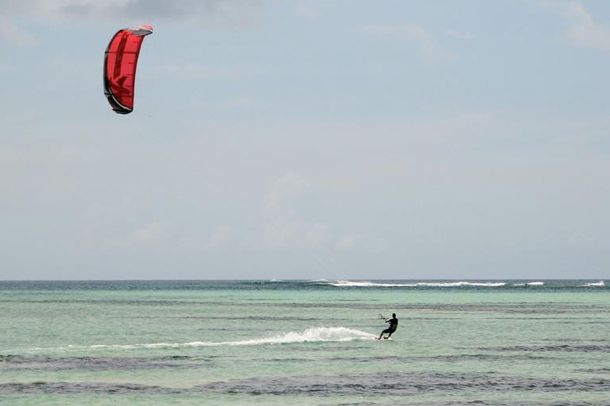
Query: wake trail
[310, 335]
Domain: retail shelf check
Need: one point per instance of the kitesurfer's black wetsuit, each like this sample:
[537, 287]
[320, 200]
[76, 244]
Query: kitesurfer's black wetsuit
[391, 328]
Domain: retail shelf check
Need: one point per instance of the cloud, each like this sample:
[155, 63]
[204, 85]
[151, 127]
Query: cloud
[583, 30]
[221, 237]
[232, 14]
[286, 227]
[147, 235]
[238, 11]
[283, 227]
[414, 33]
[285, 188]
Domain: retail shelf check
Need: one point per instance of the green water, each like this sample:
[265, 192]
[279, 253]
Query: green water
[310, 346]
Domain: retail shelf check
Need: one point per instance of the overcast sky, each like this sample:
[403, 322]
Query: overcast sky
[307, 139]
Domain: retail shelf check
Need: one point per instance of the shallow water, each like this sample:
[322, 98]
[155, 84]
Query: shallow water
[305, 342]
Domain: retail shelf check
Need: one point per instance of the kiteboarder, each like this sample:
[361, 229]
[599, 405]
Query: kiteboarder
[391, 328]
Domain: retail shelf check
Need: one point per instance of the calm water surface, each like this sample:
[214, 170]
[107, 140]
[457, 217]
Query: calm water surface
[305, 343]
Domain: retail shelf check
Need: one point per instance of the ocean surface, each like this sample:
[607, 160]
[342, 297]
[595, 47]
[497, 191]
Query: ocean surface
[530, 342]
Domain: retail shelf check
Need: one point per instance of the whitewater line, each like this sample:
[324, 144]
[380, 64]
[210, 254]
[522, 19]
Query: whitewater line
[366, 284]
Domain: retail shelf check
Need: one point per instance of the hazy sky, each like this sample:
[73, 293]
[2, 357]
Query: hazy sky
[307, 139]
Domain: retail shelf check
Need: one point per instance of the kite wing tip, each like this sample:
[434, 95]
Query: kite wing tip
[142, 30]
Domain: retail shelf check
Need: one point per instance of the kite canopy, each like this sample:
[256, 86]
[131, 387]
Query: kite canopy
[120, 64]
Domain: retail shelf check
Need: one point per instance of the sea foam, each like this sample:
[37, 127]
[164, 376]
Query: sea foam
[599, 284]
[366, 284]
[310, 335]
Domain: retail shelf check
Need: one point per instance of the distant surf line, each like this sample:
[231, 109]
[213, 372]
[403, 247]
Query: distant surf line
[599, 284]
[367, 284]
[340, 283]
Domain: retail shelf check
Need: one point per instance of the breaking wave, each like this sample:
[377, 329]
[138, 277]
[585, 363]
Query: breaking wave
[366, 284]
[599, 284]
[535, 284]
[340, 283]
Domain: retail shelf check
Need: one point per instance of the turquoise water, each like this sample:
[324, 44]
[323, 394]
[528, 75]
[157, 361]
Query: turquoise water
[305, 343]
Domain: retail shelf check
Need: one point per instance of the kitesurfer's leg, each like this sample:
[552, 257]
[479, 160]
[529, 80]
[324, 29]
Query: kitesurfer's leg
[382, 333]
